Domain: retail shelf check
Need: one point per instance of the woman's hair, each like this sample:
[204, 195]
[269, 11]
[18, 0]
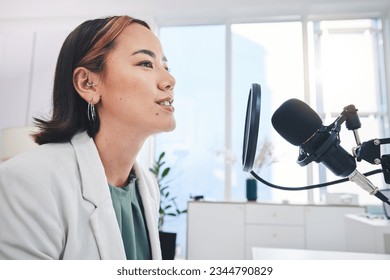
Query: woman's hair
[86, 46]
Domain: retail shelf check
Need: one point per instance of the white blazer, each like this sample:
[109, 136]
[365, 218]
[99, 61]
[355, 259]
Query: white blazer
[55, 204]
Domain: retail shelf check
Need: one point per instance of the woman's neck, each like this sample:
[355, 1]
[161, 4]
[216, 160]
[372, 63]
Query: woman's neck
[118, 153]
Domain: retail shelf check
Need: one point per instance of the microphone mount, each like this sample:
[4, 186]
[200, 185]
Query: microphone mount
[324, 147]
[369, 151]
[330, 136]
[325, 137]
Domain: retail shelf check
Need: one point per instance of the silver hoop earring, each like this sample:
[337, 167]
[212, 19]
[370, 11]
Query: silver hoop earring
[91, 113]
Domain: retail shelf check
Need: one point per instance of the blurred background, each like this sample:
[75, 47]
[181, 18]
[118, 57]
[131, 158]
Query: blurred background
[328, 53]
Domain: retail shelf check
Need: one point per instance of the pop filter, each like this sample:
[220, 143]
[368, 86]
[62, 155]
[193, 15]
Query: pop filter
[252, 122]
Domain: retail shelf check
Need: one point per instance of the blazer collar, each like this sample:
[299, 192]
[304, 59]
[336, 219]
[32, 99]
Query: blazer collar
[94, 188]
[93, 179]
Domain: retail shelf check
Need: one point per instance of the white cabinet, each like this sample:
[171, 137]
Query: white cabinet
[273, 226]
[274, 214]
[325, 226]
[273, 236]
[223, 230]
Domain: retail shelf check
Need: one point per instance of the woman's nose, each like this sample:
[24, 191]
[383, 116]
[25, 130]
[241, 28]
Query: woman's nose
[167, 82]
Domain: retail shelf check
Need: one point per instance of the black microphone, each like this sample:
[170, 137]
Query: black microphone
[300, 125]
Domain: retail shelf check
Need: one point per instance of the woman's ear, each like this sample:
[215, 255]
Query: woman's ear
[85, 83]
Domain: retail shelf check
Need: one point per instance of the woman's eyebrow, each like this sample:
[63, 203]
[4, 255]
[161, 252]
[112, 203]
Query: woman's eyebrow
[150, 53]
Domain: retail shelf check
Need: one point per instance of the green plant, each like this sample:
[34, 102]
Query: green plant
[168, 205]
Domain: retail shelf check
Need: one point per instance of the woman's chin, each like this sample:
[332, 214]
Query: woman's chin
[169, 126]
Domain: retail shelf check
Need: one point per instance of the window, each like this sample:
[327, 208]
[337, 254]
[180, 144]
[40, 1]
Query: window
[327, 64]
[348, 69]
[269, 54]
[196, 57]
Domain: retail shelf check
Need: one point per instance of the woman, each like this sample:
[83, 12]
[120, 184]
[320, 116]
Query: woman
[81, 194]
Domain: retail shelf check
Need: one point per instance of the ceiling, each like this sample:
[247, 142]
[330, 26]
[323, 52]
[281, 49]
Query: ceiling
[179, 11]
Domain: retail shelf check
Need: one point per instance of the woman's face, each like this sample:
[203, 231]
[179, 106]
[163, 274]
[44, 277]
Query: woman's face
[136, 88]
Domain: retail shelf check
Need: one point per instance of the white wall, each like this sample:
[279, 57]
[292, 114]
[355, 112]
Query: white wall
[28, 55]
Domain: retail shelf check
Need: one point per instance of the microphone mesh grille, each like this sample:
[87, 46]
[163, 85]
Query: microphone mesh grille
[295, 121]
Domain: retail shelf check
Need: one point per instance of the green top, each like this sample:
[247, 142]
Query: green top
[130, 215]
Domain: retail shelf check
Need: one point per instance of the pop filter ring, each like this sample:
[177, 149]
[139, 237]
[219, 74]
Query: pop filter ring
[251, 132]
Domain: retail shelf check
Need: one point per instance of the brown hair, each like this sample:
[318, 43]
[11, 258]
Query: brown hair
[86, 46]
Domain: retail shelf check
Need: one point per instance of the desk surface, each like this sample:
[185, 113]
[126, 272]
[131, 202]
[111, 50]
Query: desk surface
[295, 254]
[376, 221]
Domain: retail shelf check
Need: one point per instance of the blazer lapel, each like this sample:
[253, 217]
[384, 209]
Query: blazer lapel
[94, 187]
[151, 212]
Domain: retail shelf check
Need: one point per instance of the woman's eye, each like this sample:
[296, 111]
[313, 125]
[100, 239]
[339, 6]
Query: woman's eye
[148, 64]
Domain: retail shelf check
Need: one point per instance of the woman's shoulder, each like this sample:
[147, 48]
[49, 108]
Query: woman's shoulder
[41, 173]
[43, 156]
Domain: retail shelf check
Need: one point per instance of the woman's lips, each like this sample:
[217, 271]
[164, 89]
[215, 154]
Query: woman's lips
[166, 104]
